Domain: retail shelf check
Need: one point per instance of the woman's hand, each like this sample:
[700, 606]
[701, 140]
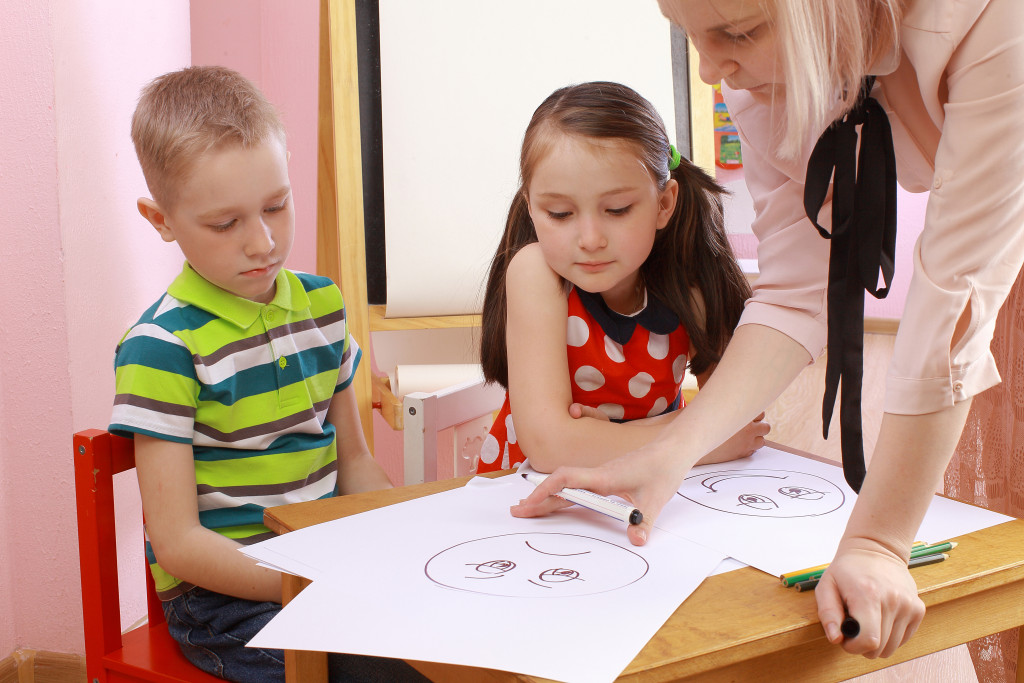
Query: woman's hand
[647, 478]
[873, 585]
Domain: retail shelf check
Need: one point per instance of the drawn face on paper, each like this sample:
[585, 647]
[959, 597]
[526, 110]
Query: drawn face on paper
[763, 493]
[536, 565]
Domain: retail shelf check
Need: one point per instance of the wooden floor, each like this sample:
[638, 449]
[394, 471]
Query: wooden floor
[795, 420]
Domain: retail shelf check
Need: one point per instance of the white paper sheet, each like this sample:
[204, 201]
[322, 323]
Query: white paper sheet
[781, 512]
[454, 578]
[460, 80]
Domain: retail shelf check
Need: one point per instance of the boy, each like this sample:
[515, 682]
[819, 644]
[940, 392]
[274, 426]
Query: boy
[234, 384]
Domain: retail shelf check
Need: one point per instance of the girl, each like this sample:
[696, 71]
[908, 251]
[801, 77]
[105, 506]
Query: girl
[612, 230]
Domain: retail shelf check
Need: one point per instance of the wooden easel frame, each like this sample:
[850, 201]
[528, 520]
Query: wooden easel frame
[341, 246]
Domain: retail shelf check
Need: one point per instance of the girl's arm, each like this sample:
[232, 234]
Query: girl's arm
[183, 547]
[539, 383]
[357, 469]
[757, 366]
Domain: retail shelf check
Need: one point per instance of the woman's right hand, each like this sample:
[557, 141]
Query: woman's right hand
[647, 477]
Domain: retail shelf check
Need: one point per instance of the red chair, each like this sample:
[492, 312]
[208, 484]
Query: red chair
[147, 653]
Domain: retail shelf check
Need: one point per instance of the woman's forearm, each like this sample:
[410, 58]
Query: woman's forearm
[909, 460]
[757, 366]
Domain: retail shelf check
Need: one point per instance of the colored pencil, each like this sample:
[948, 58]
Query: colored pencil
[932, 549]
[919, 548]
[919, 561]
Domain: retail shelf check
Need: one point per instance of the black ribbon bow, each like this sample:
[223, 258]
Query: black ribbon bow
[863, 245]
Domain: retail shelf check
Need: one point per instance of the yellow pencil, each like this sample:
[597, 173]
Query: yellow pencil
[788, 576]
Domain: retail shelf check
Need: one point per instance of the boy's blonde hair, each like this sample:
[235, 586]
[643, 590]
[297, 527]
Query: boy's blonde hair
[827, 47]
[183, 114]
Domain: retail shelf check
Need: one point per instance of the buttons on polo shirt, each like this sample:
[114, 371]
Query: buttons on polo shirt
[282, 362]
[268, 314]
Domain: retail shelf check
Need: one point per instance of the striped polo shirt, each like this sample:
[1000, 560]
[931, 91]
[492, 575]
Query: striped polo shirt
[248, 386]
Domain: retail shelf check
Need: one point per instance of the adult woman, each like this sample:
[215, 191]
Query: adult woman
[950, 76]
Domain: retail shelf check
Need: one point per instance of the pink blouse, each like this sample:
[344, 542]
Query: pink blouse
[955, 101]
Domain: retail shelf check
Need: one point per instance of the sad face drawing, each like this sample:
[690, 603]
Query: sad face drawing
[763, 493]
[536, 565]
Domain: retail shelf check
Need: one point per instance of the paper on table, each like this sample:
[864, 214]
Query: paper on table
[779, 512]
[454, 578]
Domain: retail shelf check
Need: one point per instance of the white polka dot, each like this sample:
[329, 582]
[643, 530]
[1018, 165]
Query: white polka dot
[640, 385]
[510, 429]
[679, 367]
[589, 378]
[613, 350]
[657, 346]
[613, 410]
[489, 449]
[577, 333]
[659, 407]
[505, 464]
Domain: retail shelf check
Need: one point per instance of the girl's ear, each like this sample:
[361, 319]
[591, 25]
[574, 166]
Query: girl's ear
[667, 202]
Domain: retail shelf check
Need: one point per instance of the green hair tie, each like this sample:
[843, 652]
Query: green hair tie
[674, 158]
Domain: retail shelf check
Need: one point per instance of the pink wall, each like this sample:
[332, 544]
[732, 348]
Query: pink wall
[83, 262]
[275, 44]
[83, 265]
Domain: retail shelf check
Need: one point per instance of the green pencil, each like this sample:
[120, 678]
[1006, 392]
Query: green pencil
[932, 549]
[919, 561]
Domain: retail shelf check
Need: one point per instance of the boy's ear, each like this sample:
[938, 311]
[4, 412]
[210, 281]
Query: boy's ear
[152, 212]
[667, 202]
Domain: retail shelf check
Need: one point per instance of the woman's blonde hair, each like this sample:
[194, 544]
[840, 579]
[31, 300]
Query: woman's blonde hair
[827, 47]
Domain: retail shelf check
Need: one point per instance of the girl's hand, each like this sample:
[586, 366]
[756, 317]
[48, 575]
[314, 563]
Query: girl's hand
[873, 585]
[578, 410]
[741, 445]
[647, 478]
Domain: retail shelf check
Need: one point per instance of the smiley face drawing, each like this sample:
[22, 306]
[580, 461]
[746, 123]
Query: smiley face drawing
[536, 565]
[763, 493]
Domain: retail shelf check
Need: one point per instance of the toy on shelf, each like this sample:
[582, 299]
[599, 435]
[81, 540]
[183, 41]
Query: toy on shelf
[727, 141]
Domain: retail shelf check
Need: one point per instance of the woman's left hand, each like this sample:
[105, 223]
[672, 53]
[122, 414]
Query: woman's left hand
[872, 585]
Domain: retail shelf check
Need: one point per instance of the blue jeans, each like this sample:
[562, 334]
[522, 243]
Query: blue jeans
[212, 630]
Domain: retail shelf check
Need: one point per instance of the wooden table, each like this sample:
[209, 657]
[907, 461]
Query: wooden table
[744, 625]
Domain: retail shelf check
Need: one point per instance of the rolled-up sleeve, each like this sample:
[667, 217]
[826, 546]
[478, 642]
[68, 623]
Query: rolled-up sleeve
[970, 63]
[789, 293]
[972, 246]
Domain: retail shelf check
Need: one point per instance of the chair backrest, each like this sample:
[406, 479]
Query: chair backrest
[100, 455]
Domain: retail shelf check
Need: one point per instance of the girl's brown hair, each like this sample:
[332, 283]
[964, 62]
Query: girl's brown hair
[691, 254]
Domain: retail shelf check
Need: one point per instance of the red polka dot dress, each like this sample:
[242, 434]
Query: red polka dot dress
[626, 366]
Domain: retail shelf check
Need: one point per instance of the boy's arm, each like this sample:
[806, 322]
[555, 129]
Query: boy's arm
[183, 547]
[357, 469]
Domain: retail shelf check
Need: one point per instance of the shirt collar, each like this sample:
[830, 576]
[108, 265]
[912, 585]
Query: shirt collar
[192, 288]
[656, 317]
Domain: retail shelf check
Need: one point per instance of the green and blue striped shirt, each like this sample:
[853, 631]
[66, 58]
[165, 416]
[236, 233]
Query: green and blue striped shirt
[246, 384]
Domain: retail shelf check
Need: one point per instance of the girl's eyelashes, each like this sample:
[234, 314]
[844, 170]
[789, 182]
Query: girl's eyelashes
[562, 215]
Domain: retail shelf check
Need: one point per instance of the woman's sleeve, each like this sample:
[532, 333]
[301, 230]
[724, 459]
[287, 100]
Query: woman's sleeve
[789, 293]
[972, 246]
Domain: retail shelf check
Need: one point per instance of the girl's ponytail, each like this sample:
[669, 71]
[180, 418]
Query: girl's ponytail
[519, 232]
